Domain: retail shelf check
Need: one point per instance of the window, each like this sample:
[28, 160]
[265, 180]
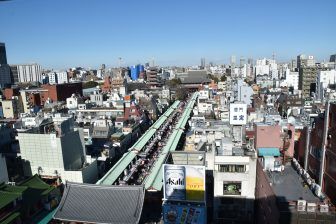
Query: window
[240, 109]
[231, 188]
[235, 118]
[241, 117]
[232, 168]
[235, 109]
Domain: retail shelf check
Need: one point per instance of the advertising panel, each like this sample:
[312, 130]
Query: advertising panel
[184, 183]
[183, 214]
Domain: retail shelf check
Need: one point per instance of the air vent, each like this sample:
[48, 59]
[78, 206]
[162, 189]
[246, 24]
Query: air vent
[311, 207]
[301, 205]
[324, 208]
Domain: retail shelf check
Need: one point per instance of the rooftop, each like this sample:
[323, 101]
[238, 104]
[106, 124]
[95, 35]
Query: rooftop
[289, 186]
[101, 204]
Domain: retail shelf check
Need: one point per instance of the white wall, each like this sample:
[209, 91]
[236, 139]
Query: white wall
[29, 73]
[323, 79]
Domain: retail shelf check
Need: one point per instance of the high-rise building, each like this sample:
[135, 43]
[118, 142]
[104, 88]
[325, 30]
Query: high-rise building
[14, 73]
[3, 57]
[233, 61]
[303, 60]
[5, 77]
[307, 74]
[202, 63]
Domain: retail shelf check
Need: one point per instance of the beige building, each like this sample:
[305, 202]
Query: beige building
[9, 108]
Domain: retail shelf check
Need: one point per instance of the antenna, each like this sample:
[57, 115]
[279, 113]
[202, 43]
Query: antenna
[119, 62]
[273, 55]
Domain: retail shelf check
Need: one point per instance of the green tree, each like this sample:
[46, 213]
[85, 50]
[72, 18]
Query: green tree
[223, 78]
[89, 84]
[174, 82]
[181, 94]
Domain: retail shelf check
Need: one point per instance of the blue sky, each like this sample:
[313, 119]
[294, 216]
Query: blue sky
[66, 33]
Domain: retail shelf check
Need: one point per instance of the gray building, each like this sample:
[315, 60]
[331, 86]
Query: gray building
[55, 149]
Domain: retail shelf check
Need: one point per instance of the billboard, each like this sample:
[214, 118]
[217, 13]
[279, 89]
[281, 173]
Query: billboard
[184, 183]
[183, 214]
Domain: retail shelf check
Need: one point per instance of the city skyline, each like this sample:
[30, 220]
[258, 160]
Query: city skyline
[86, 33]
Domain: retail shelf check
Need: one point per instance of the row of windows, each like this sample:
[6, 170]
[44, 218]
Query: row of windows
[232, 168]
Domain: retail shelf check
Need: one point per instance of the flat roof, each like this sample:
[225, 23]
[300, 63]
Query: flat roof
[289, 186]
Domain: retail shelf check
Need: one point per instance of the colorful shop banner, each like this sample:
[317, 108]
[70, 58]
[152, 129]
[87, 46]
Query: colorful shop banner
[183, 214]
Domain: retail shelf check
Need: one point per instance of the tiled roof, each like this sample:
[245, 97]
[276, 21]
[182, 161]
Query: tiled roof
[101, 204]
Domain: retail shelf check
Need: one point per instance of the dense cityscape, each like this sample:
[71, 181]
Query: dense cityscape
[167, 112]
[259, 135]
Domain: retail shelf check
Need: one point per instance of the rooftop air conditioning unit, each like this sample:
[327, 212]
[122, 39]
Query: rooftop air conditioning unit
[301, 205]
[324, 208]
[311, 207]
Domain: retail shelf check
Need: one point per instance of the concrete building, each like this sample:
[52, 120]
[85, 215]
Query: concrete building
[55, 149]
[58, 77]
[292, 79]
[265, 67]
[10, 108]
[305, 61]
[324, 80]
[286, 197]
[97, 98]
[73, 101]
[29, 73]
[282, 137]
[307, 80]
[234, 176]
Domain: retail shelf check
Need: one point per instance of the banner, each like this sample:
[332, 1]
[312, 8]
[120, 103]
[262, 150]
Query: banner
[183, 214]
[184, 183]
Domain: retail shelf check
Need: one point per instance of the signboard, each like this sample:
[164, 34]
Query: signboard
[238, 113]
[183, 214]
[184, 183]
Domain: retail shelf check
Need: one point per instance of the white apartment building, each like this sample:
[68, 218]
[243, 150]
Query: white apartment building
[58, 77]
[29, 73]
[234, 181]
[323, 80]
[266, 67]
[292, 79]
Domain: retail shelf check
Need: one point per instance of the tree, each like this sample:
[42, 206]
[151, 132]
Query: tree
[174, 82]
[89, 84]
[223, 78]
[215, 78]
[181, 94]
